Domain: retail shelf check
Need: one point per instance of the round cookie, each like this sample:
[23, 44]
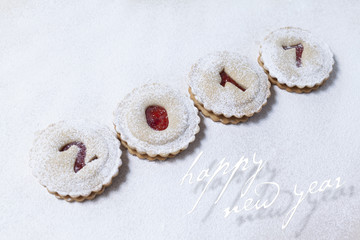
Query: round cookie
[227, 87]
[75, 160]
[156, 122]
[295, 60]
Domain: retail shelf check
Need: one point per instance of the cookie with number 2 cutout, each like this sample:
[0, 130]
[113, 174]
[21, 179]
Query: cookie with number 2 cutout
[75, 160]
[295, 60]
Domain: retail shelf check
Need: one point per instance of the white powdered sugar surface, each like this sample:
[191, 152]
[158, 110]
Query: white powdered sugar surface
[66, 60]
[130, 120]
[316, 62]
[228, 100]
[55, 168]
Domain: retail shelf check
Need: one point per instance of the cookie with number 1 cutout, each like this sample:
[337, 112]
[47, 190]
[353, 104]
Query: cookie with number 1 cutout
[75, 160]
[227, 87]
[295, 60]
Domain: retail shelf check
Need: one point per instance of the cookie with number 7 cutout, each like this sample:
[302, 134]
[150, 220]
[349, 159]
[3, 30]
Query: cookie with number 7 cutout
[295, 60]
[75, 160]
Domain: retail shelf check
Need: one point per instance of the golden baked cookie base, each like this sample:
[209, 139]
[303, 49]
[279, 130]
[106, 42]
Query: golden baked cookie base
[215, 117]
[82, 198]
[284, 86]
[145, 156]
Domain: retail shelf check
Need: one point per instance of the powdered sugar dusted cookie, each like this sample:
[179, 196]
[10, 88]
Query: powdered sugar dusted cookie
[75, 160]
[156, 122]
[295, 60]
[227, 87]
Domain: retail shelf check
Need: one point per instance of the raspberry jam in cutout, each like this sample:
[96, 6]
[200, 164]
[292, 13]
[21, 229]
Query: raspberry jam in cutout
[157, 117]
[299, 50]
[80, 157]
[226, 78]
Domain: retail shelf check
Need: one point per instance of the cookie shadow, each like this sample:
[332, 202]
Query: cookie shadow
[265, 111]
[194, 145]
[119, 179]
[330, 82]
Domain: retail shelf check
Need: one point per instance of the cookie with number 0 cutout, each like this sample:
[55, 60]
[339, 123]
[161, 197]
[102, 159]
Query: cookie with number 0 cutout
[295, 60]
[75, 160]
[156, 122]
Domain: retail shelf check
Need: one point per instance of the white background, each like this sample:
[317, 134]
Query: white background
[78, 59]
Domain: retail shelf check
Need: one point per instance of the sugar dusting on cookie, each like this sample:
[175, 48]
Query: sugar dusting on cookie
[229, 100]
[130, 120]
[283, 62]
[54, 167]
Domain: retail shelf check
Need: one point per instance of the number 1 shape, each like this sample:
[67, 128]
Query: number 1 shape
[226, 78]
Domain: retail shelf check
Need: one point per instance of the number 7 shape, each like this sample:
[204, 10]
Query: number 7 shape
[299, 50]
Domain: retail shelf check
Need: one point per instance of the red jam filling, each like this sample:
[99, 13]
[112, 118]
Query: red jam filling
[299, 50]
[226, 78]
[80, 157]
[157, 118]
